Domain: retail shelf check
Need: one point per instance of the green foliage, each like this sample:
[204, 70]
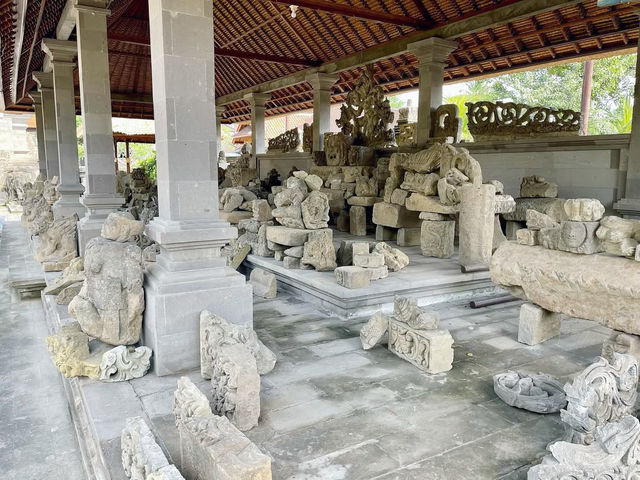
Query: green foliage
[149, 166]
[396, 101]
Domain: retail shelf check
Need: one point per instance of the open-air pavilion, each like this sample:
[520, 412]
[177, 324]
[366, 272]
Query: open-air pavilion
[331, 305]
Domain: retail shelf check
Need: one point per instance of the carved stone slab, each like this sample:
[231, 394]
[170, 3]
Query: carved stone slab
[429, 350]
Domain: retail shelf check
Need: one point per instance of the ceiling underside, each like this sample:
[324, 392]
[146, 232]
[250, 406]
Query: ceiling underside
[257, 41]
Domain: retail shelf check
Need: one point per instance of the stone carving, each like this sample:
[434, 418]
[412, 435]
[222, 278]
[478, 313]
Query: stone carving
[429, 350]
[352, 277]
[57, 246]
[446, 123]
[74, 273]
[537, 393]
[593, 287]
[121, 227]
[315, 211]
[125, 363]
[216, 331]
[68, 348]
[111, 301]
[319, 251]
[477, 210]
[604, 392]
[336, 148]
[142, 457]
[211, 448]
[621, 343]
[426, 184]
[490, 121]
[264, 283]
[366, 114]
[289, 141]
[583, 209]
[406, 134]
[307, 138]
[373, 332]
[394, 259]
[366, 187]
[619, 236]
[238, 171]
[437, 238]
[535, 186]
[570, 236]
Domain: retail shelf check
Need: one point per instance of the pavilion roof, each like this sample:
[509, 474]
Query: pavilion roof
[260, 47]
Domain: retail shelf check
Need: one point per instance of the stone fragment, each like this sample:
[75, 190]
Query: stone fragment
[553, 207]
[290, 237]
[477, 204]
[231, 200]
[216, 331]
[538, 221]
[234, 217]
[574, 237]
[429, 350]
[437, 217]
[211, 447]
[68, 348]
[319, 251]
[619, 236]
[290, 216]
[150, 253]
[296, 252]
[67, 294]
[426, 184]
[124, 363]
[386, 234]
[278, 255]
[584, 209]
[378, 273]
[360, 248]
[121, 227]
[366, 187]
[396, 216]
[358, 221]
[536, 186]
[537, 325]
[300, 174]
[395, 259]
[374, 331]
[368, 260]
[313, 182]
[419, 203]
[409, 237]
[71, 275]
[405, 309]
[262, 211]
[601, 288]
[363, 201]
[524, 236]
[499, 186]
[57, 245]
[352, 277]
[437, 238]
[621, 343]
[142, 457]
[264, 283]
[110, 304]
[504, 204]
[288, 197]
[295, 183]
[537, 393]
[399, 196]
[315, 211]
[291, 263]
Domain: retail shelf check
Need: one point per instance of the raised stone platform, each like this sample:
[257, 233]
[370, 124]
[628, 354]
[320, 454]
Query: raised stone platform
[431, 280]
[25, 273]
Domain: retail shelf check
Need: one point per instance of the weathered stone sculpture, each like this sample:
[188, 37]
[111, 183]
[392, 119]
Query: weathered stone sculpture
[289, 141]
[111, 301]
[264, 284]
[536, 186]
[619, 236]
[537, 393]
[57, 245]
[446, 123]
[373, 332]
[142, 457]
[216, 331]
[307, 138]
[336, 147]
[211, 448]
[124, 363]
[315, 211]
[121, 227]
[74, 273]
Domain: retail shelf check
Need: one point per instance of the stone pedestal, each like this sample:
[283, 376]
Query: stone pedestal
[537, 324]
[61, 54]
[100, 197]
[190, 275]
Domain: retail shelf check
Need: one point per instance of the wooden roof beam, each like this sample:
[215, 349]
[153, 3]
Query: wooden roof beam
[360, 13]
[226, 52]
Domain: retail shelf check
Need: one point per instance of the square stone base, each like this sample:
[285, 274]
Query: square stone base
[537, 325]
[88, 228]
[171, 324]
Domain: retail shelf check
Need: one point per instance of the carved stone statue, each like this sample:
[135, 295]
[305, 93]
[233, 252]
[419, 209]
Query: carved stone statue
[289, 141]
[307, 138]
[57, 245]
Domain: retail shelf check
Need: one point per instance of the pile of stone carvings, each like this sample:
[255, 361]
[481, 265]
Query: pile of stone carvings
[412, 333]
[602, 436]
[363, 262]
[238, 173]
[107, 307]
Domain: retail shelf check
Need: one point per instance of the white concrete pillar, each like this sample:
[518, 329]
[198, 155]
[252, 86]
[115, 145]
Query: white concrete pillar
[257, 103]
[60, 54]
[432, 54]
[190, 275]
[321, 83]
[42, 156]
[100, 197]
[629, 206]
[219, 112]
[44, 80]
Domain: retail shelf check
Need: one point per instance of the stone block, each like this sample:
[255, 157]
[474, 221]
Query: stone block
[536, 186]
[477, 205]
[394, 258]
[525, 236]
[290, 237]
[554, 207]
[429, 350]
[538, 221]
[262, 211]
[374, 331]
[504, 204]
[399, 196]
[574, 237]
[315, 211]
[363, 201]
[378, 273]
[319, 251]
[386, 234]
[421, 203]
[291, 263]
[360, 248]
[358, 221]
[408, 237]
[353, 277]
[369, 260]
[296, 252]
[584, 209]
[537, 324]
[436, 217]
[437, 238]
[264, 283]
[396, 216]
[278, 255]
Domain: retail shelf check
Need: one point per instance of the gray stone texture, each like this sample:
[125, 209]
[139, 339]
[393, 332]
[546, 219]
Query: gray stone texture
[264, 283]
[537, 325]
[358, 221]
[437, 238]
[319, 251]
[477, 205]
[396, 216]
[352, 277]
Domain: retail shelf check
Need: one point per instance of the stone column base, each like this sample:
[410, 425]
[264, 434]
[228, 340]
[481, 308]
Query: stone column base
[628, 208]
[88, 227]
[98, 209]
[174, 301]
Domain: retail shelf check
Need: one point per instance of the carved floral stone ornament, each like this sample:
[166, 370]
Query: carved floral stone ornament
[286, 142]
[537, 393]
[446, 123]
[500, 120]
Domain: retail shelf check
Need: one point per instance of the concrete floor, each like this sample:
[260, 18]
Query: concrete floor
[37, 437]
[330, 410]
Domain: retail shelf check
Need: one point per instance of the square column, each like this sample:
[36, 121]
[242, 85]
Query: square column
[100, 197]
[432, 55]
[60, 53]
[44, 80]
[219, 112]
[190, 275]
[257, 103]
[321, 83]
[42, 156]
